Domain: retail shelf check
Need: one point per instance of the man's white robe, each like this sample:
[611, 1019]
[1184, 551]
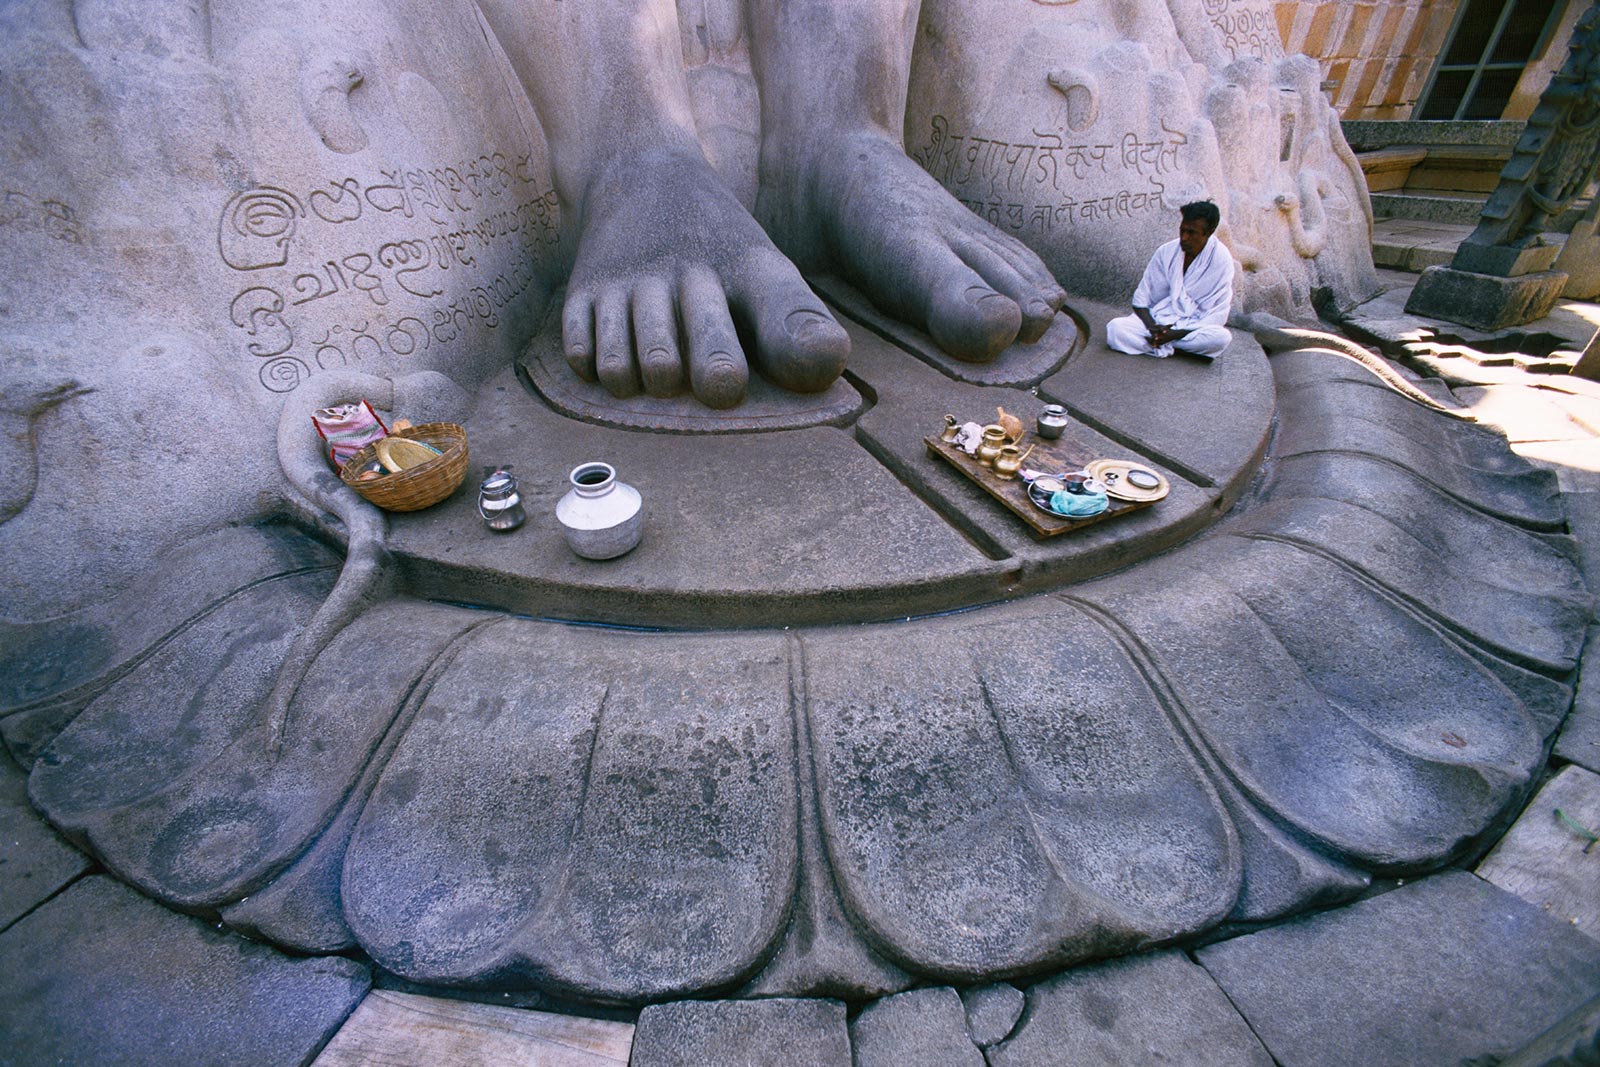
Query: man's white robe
[1198, 301]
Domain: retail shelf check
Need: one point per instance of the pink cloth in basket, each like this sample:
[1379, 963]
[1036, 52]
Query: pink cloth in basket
[346, 429]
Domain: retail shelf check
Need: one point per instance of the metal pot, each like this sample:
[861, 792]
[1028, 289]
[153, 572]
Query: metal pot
[499, 503]
[601, 517]
[1052, 420]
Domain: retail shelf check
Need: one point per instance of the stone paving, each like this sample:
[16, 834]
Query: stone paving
[1200, 820]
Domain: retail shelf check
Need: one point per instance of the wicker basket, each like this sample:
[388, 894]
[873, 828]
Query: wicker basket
[416, 487]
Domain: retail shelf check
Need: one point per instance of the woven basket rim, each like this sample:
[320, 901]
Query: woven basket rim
[416, 487]
[352, 466]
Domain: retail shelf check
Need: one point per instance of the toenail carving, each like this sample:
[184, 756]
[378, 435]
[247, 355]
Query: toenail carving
[809, 327]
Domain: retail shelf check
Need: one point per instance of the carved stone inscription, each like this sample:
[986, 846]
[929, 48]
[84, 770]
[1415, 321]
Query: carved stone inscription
[1245, 28]
[25, 214]
[1049, 181]
[386, 265]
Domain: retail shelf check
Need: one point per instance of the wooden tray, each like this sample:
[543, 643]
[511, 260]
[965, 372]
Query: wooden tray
[1065, 453]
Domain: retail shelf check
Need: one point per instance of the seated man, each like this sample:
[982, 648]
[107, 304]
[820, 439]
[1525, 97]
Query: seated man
[1185, 294]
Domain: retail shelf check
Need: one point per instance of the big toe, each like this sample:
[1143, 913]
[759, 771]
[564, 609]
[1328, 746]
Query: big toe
[1017, 274]
[971, 321]
[799, 346]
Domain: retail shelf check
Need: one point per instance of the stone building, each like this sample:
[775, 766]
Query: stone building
[1414, 59]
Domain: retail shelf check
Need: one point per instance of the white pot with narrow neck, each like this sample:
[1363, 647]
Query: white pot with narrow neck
[601, 517]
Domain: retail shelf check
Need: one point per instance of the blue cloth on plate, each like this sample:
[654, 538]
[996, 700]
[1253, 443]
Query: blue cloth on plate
[1078, 505]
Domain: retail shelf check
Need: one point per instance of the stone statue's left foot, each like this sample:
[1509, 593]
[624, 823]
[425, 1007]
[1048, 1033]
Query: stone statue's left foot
[667, 263]
[854, 201]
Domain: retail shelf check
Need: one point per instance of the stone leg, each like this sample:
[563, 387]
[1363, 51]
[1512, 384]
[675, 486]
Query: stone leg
[838, 191]
[667, 258]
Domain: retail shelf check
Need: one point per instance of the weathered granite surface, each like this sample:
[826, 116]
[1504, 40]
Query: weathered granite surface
[742, 1033]
[1436, 972]
[851, 809]
[1545, 857]
[1079, 128]
[207, 211]
[921, 1026]
[1486, 301]
[36, 863]
[1115, 739]
[1579, 740]
[992, 1011]
[102, 975]
[1159, 1008]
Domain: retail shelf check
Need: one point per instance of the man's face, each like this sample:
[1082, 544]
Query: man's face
[1192, 236]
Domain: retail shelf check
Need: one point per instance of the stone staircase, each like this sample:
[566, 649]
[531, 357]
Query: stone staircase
[1429, 181]
[1439, 172]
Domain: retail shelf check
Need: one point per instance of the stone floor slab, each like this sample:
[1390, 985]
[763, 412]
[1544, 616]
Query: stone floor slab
[1524, 414]
[894, 431]
[922, 1026]
[1139, 1010]
[1579, 740]
[100, 975]
[742, 1033]
[1547, 859]
[1576, 463]
[394, 1029]
[992, 1011]
[34, 861]
[1436, 972]
[1583, 520]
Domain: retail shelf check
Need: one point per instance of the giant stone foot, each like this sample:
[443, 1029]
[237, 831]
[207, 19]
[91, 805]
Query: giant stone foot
[669, 271]
[856, 203]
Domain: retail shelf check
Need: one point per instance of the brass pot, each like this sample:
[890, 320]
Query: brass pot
[1008, 462]
[994, 439]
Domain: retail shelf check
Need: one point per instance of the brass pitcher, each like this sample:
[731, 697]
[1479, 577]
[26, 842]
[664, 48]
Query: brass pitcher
[1008, 462]
[994, 439]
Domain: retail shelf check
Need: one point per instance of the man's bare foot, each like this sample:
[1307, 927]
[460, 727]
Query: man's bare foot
[668, 260]
[853, 201]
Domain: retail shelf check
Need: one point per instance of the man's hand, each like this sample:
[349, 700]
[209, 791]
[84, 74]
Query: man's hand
[1161, 335]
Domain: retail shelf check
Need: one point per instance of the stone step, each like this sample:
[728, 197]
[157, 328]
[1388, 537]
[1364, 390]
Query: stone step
[1368, 134]
[1438, 207]
[406, 1030]
[1439, 972]
[101, 975]
[1549, 856]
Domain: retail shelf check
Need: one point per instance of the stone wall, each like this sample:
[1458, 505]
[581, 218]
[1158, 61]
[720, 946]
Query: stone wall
[1379, 54]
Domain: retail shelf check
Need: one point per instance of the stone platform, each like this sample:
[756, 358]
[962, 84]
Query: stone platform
[832, 524]
[1309, 668]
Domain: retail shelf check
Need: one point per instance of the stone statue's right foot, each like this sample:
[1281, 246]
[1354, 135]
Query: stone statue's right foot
[855, 202]
[668, 260]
